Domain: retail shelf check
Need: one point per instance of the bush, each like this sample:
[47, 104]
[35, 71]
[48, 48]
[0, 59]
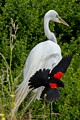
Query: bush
[29, 15]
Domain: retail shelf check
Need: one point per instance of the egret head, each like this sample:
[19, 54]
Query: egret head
[53, 15]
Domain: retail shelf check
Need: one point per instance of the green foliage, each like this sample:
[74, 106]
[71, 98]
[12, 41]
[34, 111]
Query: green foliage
[29, 14]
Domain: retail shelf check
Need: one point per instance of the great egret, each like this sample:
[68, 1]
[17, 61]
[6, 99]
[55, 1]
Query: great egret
[44, 55]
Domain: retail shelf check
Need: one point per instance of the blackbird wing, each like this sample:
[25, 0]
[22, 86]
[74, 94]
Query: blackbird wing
[50, 94]
[59, 70]
[56, 81]
[40, 78]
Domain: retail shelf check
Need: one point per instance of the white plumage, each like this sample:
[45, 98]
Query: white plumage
[44, 55]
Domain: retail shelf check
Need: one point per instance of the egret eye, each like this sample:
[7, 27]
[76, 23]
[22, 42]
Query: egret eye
[57, 16]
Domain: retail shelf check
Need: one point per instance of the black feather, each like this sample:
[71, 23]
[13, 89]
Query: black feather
[56, 81]
[40, 78]
[62, 65]
[50, 94]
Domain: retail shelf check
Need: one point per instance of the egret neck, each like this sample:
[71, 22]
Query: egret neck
[47, 31]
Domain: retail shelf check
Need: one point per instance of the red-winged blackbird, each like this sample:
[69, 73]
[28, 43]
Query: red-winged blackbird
[50, 79]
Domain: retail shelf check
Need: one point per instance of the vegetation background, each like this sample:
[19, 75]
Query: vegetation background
[29, 14]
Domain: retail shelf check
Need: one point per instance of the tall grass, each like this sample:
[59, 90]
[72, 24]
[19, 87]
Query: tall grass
[7, 83]
[7, 88]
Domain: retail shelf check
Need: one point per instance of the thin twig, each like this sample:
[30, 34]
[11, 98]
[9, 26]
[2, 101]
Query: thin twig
[18, 76]
[51, 110]
[29, 104]
[5, 61]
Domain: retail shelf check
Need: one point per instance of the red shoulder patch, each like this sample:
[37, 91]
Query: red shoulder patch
[58, 75]
[53, 85]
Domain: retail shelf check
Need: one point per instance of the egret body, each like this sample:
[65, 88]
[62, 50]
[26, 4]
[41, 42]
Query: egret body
[44, 55]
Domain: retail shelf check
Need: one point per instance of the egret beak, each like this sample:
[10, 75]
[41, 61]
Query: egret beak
[62, 21]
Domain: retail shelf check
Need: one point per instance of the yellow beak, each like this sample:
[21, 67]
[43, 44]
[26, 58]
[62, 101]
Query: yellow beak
[62, 21]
